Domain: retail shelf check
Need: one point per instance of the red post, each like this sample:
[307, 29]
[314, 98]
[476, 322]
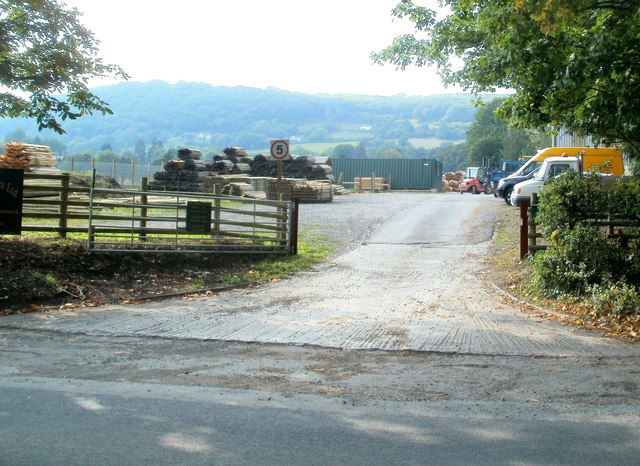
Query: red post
[524, 229]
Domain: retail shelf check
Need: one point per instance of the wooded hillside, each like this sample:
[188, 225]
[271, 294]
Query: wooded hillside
[201, 115]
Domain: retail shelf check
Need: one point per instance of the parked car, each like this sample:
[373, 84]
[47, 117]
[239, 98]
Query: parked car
[506, 185]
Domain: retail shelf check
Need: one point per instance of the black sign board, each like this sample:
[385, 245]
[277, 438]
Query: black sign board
[198, 217]
[11, 184]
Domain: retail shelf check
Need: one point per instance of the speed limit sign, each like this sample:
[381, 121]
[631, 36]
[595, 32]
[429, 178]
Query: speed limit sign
[280, 149]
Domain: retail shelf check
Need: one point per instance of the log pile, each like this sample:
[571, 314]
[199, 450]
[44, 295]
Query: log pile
[28, 157]
[304, 190]
[215, 184]
[243, 190]
[272, 189]
[451, 181]
[189, 173]
[313, 191]
[178, 175]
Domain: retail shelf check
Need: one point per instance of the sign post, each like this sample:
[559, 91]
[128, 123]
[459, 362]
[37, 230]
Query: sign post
[11, 185]
[279, 152]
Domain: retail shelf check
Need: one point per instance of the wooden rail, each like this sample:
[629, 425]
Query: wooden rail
[118, 220]
[530, 236]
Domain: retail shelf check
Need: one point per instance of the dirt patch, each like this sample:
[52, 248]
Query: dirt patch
[56, 272]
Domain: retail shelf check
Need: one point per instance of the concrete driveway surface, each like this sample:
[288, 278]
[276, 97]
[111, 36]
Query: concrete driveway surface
[415, 280]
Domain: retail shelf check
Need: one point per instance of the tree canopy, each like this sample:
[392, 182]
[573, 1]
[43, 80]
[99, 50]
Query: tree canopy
[46, 60]
[490, 140]
[571, 63]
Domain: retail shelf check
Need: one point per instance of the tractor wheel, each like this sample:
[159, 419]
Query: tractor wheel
[474, 190]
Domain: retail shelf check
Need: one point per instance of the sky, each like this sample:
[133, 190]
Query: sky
[308, 46]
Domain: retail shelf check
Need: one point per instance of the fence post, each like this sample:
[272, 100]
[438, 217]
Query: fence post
[524, 229]
[143, 208]
[64, 206]
[216, 208]
[532, 223]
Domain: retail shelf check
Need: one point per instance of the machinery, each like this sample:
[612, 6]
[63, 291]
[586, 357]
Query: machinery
[477, 181]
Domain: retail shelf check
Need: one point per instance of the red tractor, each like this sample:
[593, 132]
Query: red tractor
[477, 181]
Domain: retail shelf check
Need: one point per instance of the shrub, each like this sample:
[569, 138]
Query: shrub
[582, 259]
[619, 299]
[568, 200]
[579, 259]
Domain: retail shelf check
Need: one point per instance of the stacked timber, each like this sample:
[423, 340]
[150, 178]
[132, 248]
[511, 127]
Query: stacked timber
[189, 173]
[363, 183]
[215, 184]
[312, 191]
[28, 157]
[189, 154]
[243, 190]
[451, 181]
[178, 175]
[272, 189]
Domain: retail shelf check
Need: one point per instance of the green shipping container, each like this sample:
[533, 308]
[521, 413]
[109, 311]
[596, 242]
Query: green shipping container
[400, 173]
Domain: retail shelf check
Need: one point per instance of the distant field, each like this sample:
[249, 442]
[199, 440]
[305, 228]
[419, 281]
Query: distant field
[308, 147]
[320, 147]
[430, 143]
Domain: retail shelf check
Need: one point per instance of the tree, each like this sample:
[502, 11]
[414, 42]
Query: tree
[141, 150]
[490, 138]
[46, 52]
[391, 154]
[343, 151]
[484, 151]
[571, 63]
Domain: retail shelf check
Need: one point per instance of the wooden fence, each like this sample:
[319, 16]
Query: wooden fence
[531, 240]
[126, 220]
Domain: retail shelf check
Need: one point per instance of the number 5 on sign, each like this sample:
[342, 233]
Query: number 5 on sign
[280, 149]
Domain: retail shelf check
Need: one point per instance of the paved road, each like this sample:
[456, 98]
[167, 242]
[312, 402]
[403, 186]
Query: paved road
[416, 283]
[100, 423]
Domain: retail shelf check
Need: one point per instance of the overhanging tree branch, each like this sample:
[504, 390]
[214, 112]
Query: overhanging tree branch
[46, 53]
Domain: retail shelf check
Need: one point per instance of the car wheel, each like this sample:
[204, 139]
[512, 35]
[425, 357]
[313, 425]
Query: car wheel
[507, 195]
[510, 197]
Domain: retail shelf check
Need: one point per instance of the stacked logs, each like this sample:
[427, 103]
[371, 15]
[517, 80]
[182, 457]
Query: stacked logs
[27, 157]
[451, 181]
[189, 173]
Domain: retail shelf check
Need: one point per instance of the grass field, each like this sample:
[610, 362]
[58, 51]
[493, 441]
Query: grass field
[430, 143]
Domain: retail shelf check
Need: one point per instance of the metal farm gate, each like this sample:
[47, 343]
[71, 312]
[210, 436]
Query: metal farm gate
[123, 220]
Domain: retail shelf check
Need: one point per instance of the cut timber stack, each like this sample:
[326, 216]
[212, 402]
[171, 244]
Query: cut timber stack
[451, 181]
[242, 190]
[313, 191]
[216, 184]
[28, 157]
[272, 189]
[363, 183]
